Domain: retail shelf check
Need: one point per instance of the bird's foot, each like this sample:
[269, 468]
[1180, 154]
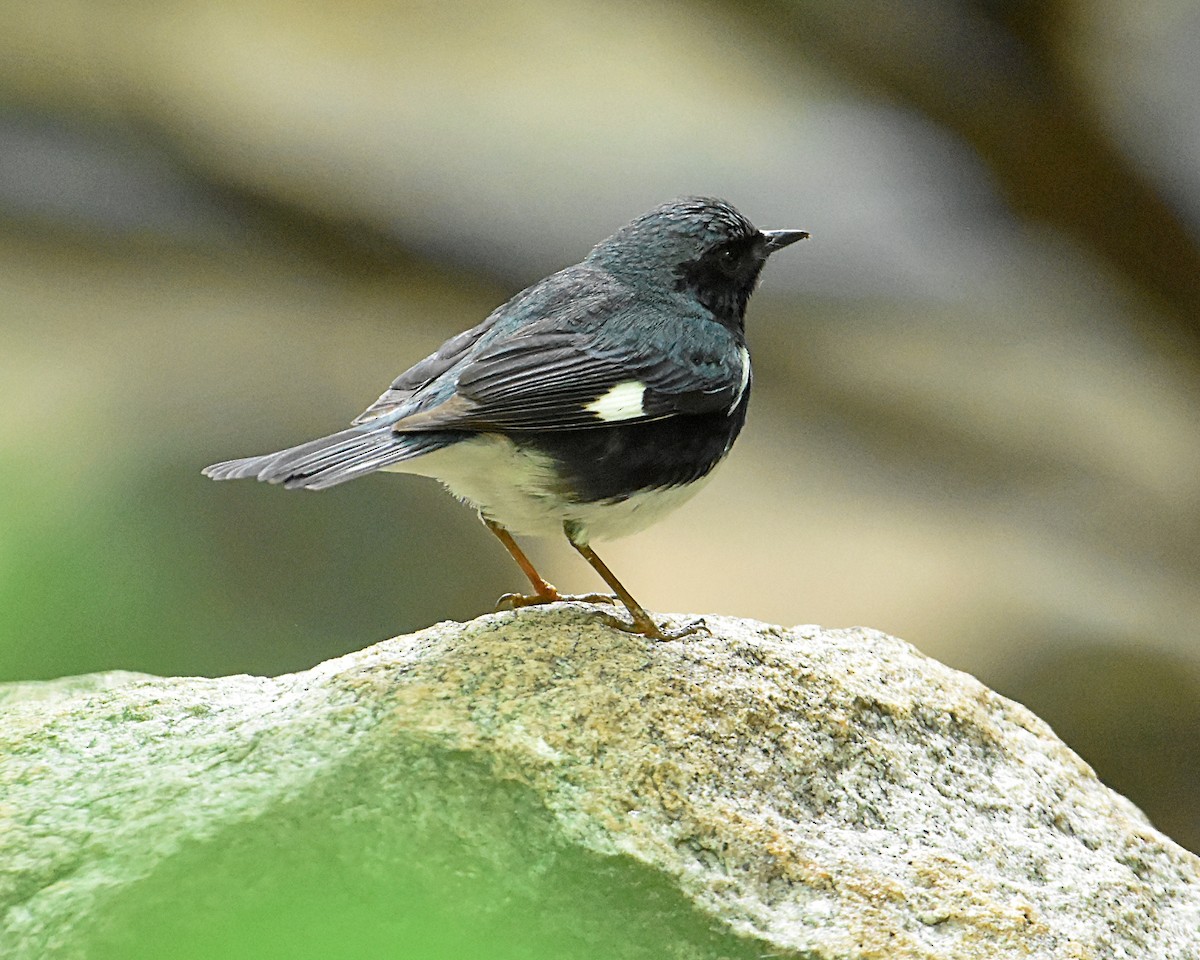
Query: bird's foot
[646, 627]
[514, 601]
[591, 597]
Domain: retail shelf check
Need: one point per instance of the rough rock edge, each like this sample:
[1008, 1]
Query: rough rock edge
[826, 791]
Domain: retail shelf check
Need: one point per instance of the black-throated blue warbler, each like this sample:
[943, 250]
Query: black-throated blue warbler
[590, 404]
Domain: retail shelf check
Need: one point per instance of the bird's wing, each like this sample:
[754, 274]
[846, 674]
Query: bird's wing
[570, 294]
[423, 373]
[551, 376]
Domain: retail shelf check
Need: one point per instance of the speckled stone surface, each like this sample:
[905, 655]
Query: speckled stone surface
[814, 793]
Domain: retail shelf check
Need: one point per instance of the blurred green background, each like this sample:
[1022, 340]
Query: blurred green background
[225, 226]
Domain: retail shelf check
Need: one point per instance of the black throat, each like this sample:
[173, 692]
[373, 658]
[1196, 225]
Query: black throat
[723, 291]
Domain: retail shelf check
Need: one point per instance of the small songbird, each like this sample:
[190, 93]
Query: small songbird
[591, 403]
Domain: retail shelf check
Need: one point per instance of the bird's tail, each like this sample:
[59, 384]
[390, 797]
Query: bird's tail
[334, 459]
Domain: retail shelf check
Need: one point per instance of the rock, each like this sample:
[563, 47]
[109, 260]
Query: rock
[535, 784]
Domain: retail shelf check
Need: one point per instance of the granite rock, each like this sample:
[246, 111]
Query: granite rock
[536, 784]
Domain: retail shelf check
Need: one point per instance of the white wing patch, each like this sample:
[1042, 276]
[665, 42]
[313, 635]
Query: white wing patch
[622, 402]
[737, 397]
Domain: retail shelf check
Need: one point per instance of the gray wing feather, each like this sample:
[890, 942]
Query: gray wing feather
[334, 459]
[540, 360]
[548, 380]
[536, 363]
[421, 374]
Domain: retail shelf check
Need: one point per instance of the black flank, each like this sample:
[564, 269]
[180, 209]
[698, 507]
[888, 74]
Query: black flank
[613, 462]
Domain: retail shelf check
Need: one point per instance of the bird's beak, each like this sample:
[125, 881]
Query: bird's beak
[778, 239]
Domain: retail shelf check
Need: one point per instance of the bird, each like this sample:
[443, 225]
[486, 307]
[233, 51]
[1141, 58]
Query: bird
[589, 405]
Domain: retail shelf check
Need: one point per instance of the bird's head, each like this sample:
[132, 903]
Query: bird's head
[697, 246]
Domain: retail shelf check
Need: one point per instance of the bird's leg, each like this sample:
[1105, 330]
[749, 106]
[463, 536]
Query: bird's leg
[543, 590]
[642, 623]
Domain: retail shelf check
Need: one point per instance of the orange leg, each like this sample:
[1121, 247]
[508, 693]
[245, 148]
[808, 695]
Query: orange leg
[543, 590]
[643, 623]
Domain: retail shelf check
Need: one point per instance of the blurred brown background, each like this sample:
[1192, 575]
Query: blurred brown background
[226, 225]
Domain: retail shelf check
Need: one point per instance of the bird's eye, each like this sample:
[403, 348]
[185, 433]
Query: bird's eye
[728, 261]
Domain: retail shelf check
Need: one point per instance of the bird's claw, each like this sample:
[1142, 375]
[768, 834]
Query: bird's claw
[514, 601]
[646, 627]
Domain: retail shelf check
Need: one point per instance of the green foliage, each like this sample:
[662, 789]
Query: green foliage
[165, 572]
[478, 875]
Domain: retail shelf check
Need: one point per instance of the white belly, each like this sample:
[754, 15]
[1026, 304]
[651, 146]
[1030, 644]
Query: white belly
[519, 490]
